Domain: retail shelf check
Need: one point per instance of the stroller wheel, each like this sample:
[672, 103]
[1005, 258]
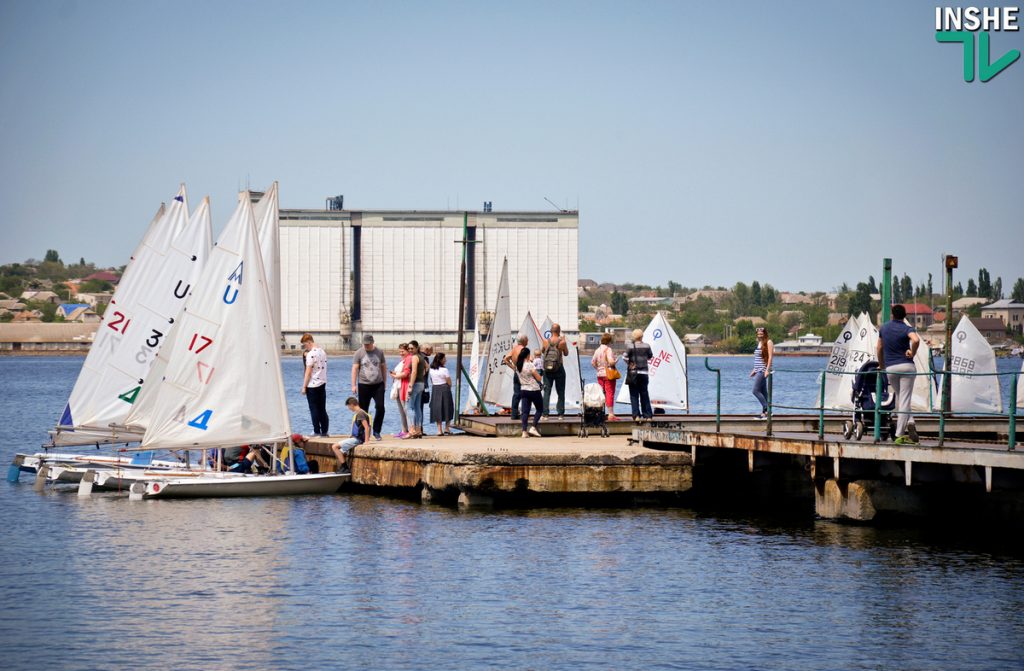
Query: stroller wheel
[847, 429]
[892, 431]
[858, 430]
[604, 431]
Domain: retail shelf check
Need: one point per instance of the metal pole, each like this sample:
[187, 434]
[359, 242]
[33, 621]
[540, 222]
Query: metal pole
[1012, 432]
[886, 307]
[770, 378]
[821, 409]
[947, 351]
[462, 316]
[718, 395]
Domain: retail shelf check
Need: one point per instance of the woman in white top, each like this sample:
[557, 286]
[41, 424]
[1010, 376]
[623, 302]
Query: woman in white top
[529, 383]
[442, 409]
[603, 361]
[397, 396]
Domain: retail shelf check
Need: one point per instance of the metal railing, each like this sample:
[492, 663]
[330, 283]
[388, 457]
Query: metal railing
[1010, 415]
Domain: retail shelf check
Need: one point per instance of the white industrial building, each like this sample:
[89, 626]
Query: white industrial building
[395, 273]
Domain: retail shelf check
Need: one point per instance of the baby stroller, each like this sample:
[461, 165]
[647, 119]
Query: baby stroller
[594, 415]
[863, 397]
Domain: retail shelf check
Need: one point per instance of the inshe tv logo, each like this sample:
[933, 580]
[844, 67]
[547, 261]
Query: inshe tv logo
[956, 24]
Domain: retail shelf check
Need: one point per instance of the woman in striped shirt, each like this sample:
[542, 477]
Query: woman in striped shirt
[763, 354]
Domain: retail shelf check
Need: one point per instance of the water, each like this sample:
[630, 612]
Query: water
[370, 582]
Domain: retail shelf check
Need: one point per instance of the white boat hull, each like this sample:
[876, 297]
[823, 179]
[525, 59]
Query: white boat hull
[29, 463]
[245, 485]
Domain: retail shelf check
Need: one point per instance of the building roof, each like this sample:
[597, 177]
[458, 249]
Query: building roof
[66, 309]
[790, 298]
[1004, 304]
[968, 301]
[917, 309]
[31, 316]
[586, 284]
[753, 320]
[38, 295]
[988, 324]
[12, 304]
[42, 332]
[104, 276]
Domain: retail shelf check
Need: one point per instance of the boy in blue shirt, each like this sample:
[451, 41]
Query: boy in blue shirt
[360, 430]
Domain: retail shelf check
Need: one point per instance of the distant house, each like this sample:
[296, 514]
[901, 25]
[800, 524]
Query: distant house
[104, 276]
[808, 343]
[694, 340]
[583, 286]
[837, 318]
[12, 305]
[27, 316]
[919, 315]
[37, 336]
[94, 299]
[715, 295]
[40, 297]
[935, 335]
[607, 286]
[78, 312]
[1008, 312]
[962, 305]
[788, 298]
[991, 327]
[651, 300]
[65, 309]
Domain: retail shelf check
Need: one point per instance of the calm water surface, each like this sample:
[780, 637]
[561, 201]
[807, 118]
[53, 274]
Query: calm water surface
[366, 582]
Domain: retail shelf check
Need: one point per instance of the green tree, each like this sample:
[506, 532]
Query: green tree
[741, 298]
[872, 287]
[674, 288]
[582, 305]
[984, 283]
[619, 304]
[997, 289]
[95, 286]
[958, 291]
[1018, 291]
[930, 292]
[755, 293]
[49, 311]
[861, 299]
[907, 287]
[972, 288]
[770, 295]
[52, 256]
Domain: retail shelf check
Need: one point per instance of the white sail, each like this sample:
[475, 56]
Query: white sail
[95, 402]
[472, 404]
[532, 333]
[497, 388]
[972, 354]
[842, 364]
[571, 361]
[268, 227]
[195, 237]
[223, 381]
[667, 368]
[924, 397]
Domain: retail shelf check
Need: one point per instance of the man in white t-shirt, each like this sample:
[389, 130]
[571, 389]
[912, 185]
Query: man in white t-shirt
[369, 371]
[314, 383]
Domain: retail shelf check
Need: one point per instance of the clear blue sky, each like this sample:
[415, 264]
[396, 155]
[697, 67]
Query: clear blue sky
[791, 142]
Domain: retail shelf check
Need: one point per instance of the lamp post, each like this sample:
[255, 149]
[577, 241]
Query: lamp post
[951, 263]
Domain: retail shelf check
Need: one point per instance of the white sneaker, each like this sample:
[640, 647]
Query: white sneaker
[525, 435]
[534, 432]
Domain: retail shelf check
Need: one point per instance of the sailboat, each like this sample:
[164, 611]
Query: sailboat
[971, 353]
[222, 385]
[667, 383]
[571, 361]
[842, 364]
[135, 327]
[497, 386]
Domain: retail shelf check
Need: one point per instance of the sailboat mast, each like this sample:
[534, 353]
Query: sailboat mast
[462, 316]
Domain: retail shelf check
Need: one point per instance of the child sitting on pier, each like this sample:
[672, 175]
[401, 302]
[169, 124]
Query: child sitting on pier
[360, 430]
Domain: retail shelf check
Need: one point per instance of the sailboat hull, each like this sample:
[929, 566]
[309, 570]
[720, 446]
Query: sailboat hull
[255, 485]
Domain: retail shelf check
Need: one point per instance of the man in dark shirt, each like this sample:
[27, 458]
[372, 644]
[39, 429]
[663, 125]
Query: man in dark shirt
[897, 345]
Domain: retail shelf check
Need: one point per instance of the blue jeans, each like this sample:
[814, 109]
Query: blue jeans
[414, 405]
[639, 398]
[761, 390]
[528, 398]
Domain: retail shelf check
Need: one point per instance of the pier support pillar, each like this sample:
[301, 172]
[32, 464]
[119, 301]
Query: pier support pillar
[473, 500]
[85, 484]
[863, 500]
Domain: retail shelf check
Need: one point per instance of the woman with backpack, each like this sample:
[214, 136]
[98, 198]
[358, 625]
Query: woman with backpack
[638, 353]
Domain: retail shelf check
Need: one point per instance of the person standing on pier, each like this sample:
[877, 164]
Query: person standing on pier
[603, 362]
[314, 383]
[554, 349]
[442, 407]
[400, 387]
[763, 354]
[417, 376]
[638, 353]
[369, 371]
[529, 384]
[510, 360]
[897, 345]
[426, 354]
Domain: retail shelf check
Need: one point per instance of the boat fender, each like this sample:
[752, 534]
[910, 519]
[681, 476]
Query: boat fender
[13, 473]
[136, 490]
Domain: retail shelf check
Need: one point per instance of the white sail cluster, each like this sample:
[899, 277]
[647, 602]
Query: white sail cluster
[667, 382]
[971, 354]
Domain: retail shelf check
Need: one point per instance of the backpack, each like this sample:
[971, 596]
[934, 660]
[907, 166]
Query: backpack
[552, 359]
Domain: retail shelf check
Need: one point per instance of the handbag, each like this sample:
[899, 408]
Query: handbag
[612, 373]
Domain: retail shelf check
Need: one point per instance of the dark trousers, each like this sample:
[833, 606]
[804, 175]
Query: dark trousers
[516, 395]
[528, 398]
[375, 392]
[316, 397]
[554, 379]
[639, 399]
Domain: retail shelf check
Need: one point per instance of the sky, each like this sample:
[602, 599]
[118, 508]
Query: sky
[794, 143]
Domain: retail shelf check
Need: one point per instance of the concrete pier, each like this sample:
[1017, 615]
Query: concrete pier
[477, 471]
